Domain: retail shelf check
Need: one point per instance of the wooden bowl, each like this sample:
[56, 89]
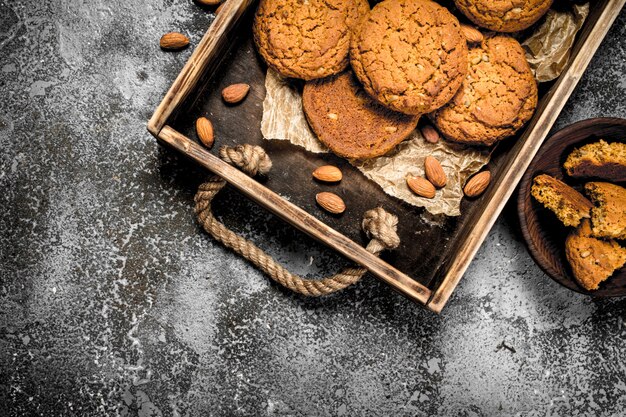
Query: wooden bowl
[543, 232]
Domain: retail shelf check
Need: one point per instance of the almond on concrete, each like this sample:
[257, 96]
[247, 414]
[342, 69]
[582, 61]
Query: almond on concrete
[328, 173]
[174, 41]
[330, 202]
[434, 172]
[421, 186]
[477, 184]
[430, 134]
[208, 2]
[472, 34]
[235, 93]
[204, 129]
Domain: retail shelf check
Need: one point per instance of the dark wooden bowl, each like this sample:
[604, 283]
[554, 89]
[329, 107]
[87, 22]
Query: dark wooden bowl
[543, 232]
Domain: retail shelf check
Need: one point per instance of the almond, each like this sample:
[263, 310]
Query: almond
[430, 134]
[173, 41]
[235, 93]
[204, 129]
[477, 184]
[472, 34]
[331, 202]
[327, 173]
[421, 186]
[434, 172]
[209, 2]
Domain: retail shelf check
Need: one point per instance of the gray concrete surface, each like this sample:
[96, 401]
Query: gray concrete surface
[112, 302]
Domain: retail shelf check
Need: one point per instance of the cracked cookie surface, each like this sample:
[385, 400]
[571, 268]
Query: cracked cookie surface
[410, 55]
[306, 39]
[503, 15]
[498, 95]
[350, 122]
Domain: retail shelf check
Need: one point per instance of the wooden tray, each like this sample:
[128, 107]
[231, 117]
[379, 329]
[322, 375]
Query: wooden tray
[435, 252]
[544, 234]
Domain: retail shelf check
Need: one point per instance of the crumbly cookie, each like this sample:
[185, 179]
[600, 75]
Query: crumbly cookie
[410, 55]
[306, 39]
[569, 205]
[608, 217]
[498, 95]
[504, 15]
[350, 122]
[592, 260]
[598, 160]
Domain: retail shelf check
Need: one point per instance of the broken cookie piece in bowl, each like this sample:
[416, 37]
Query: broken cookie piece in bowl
[572, 207]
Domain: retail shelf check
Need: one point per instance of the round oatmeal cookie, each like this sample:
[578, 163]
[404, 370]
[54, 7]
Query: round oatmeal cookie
[410, 55]
[498, 95]
[306, 39]
[349, 122]
[503, 15]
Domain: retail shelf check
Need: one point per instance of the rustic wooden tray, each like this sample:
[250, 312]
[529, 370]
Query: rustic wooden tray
[435, 252]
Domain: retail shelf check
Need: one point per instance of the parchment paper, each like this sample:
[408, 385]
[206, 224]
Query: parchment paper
[548, 49]
[283, 119]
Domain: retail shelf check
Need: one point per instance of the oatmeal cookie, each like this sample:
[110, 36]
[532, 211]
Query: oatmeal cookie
[410, 55]
[598, 160]
[350, 122]
[498, 95]
[608, 217]
[504, 15]
[306, 39]
[569, 205]
[592, 260]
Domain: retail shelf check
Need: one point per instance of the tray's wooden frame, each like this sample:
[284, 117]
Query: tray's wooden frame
[206, 58]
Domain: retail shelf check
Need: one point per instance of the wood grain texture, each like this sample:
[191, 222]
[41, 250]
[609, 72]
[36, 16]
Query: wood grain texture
[295, 215]
[544, 235]
[505, 180]
[205, 58]
[435, 250]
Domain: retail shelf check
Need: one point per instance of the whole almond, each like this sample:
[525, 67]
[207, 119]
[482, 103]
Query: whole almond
[204, 129]
[430, 134]
[472, 34]
[327, 173]
[421, 186]
[330, 202]
[434, 172]
[173, 41]
[235, 93]
[477, 184]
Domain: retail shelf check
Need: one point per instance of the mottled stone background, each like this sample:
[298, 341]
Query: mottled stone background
[113, 302]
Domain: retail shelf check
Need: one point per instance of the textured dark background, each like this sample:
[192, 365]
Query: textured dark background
[112, 301]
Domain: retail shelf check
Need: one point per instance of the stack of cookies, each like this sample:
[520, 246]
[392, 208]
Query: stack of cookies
[592, 248]
[371, 74]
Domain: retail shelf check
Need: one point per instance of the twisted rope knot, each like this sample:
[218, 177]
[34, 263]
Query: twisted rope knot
[379, 225]
[250, 159]
[382, 226]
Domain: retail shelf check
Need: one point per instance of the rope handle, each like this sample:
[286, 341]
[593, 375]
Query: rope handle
[379, 225]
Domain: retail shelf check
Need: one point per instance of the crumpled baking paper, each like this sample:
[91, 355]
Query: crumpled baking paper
[548, 49]
[284, 119]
